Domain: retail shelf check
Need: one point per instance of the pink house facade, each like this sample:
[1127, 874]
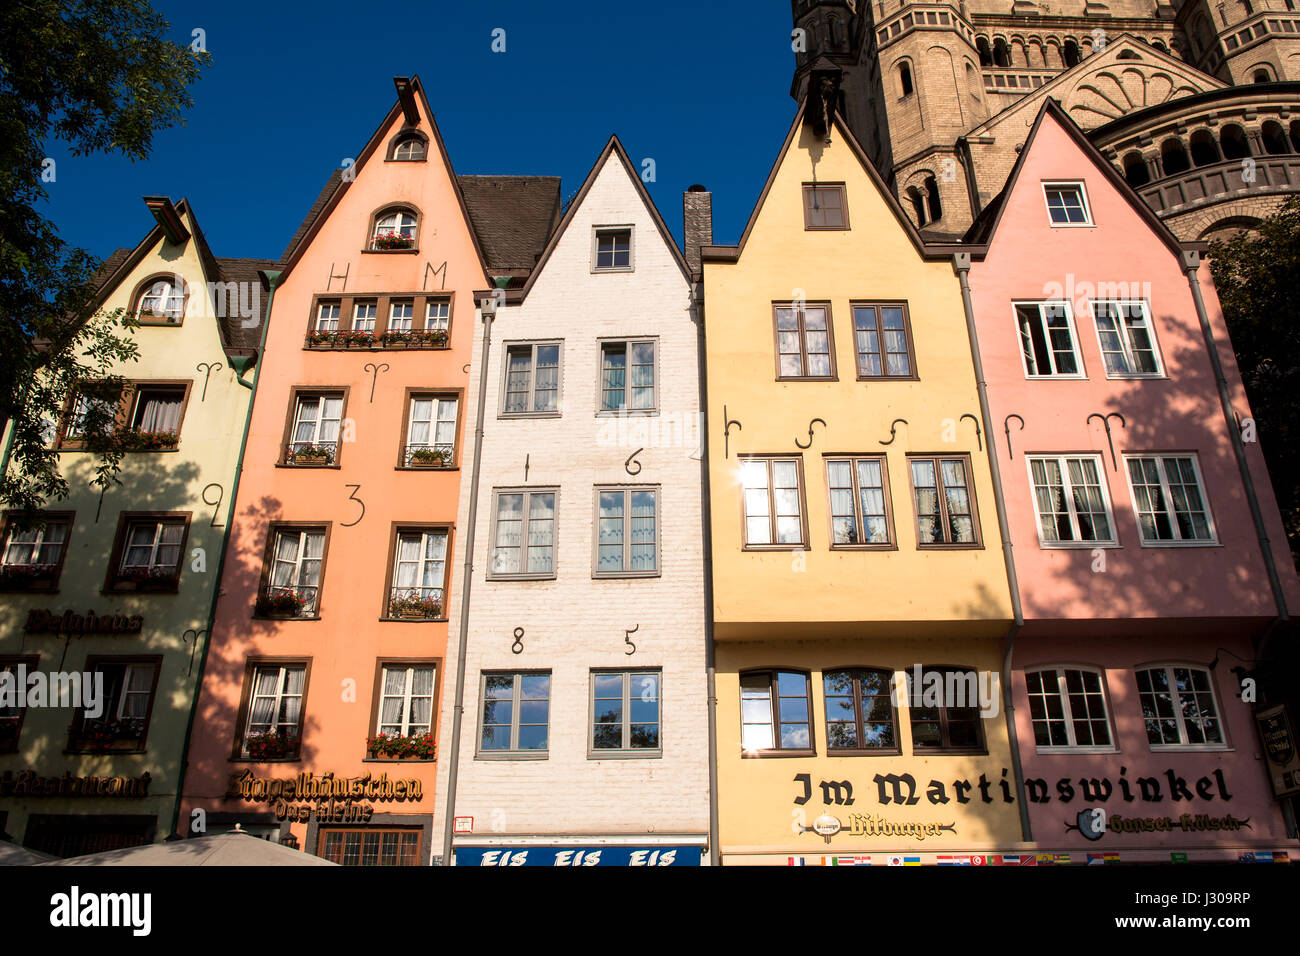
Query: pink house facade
[1147, 598]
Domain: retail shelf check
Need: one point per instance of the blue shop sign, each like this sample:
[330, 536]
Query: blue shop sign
[578, 855]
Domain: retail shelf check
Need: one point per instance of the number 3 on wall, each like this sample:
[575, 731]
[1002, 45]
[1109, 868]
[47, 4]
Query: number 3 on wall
[353, 497]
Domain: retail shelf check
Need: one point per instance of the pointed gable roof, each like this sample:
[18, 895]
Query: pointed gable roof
[513, 216]
[984, 230]
[926, 249]
[1128, 75]
[337, 185]
[612, 147]
[119, 265]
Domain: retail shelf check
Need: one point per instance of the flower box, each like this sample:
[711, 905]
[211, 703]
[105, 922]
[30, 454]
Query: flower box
[414, 608]
[395, 747]
[360, 340]
[134, 440]
[281, 602]
[310, 455]
[429, 458]
[389, 241]
[272, 745]
[25, 576]
[145, 579]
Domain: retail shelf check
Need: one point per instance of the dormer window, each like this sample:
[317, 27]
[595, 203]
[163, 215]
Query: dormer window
[1066, 204]
[394, 230]
[162, 302]
[409, 150]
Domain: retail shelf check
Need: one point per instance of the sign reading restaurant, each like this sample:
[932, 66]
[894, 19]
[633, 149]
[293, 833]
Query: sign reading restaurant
[336, 799]
[28, 783]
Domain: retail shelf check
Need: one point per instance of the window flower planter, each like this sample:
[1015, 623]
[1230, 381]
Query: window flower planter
[272, 745]
[145, 579]
[429, 458]
[133, 440]
[15, 577]
[108, 734]
[282, 602]
[308, 454]
[412, 607]
[389, 241]
[396, 747]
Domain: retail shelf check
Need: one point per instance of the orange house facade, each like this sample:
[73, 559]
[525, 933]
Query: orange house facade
[317, 719]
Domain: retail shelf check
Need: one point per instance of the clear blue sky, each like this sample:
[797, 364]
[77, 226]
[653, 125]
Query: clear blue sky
[701, 87]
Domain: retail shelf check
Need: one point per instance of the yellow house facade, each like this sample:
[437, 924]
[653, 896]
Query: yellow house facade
[855, 543]
[114, 591]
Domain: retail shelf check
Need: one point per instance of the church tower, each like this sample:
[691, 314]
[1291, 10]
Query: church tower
[1243, 41]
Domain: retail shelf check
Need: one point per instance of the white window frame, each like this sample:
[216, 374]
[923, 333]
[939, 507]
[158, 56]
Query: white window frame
[1083, 199]
[158, 525]
[626, 749]
[403, 323]
[773, 543]
[404, 223]
[323, 321]
[1063, 459]
[316, 423]
[406, 696]
[128, 669]
[312, 607]
[1179, 542]
[175, 313]
[1070, 326]
[1182, 747]
[422, 562]
[369, 320]
[36, 544]
[436, 403]
[437, 323]
[405, 150]
[1062, 691]
[597, 232]
[278, 697]
[1126, 341]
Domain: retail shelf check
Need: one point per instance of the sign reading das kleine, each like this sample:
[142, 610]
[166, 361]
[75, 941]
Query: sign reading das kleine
[578, 856]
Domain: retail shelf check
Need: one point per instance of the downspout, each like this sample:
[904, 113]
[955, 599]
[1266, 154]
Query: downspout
[488, 308]
[710, 668]
[1191, 263]
[961, 266]
[239, 365]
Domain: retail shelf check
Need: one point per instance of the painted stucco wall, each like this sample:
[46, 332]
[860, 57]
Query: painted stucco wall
[165, 481]
[360, 500]
[1120, 257]
[873, 261]
[576, 623]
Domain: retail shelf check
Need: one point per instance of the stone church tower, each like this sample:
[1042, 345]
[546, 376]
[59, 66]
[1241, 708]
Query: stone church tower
[940, 95]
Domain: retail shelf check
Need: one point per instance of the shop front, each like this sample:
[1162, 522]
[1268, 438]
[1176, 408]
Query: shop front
[666, 850]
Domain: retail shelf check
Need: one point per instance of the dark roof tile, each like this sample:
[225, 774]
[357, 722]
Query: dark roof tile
[513, 216]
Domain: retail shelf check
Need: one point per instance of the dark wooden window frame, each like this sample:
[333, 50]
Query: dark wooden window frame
[113, 580]
[402, 137]
[809, 190]
[383, 312]
[291, 414]
[936, 458]
[78, 725]
[877, 304]
[944, 748]
[268, 561]
[802, 545]
[394, 531]
[410, 395]
[377, 700]
[32, 661]
[126, 403]
[777, 750]
[323, 833]
[251, 665]
[799, 312]
[895, 750]
[8, 523]
[852, 459]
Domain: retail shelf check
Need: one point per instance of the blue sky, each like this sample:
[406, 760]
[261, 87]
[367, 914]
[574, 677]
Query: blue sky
[702, 88]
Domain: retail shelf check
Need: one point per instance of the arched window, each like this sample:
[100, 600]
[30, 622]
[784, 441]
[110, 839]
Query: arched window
[161, 301]
[1173, 157]
[1071, 54]
[1233, 142]
[1204, 151]
[409, 146]
[905, 78]
[1001, 54]
[1160, 45]
[986, 54]
[1274, 139]
[1261, 76]
[1135, 169]
[935, 208]
[394, 229]
[1245, 5]
[1295, 136]
[918, 205]
[972, 80]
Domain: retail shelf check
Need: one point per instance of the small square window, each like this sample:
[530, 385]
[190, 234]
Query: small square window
[613, 250]
[949, 720]
[313, 438]
[825, 206]
[291, 578]
[1067, 708]
[1066, 204]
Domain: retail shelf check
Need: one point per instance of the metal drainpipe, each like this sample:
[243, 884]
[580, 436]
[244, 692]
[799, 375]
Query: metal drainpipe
[488, 307]
[273, 279]
[1191, 263]
[961, 266]
[715, 853]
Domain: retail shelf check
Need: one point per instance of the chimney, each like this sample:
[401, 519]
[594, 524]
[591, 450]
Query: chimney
[697, 218]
